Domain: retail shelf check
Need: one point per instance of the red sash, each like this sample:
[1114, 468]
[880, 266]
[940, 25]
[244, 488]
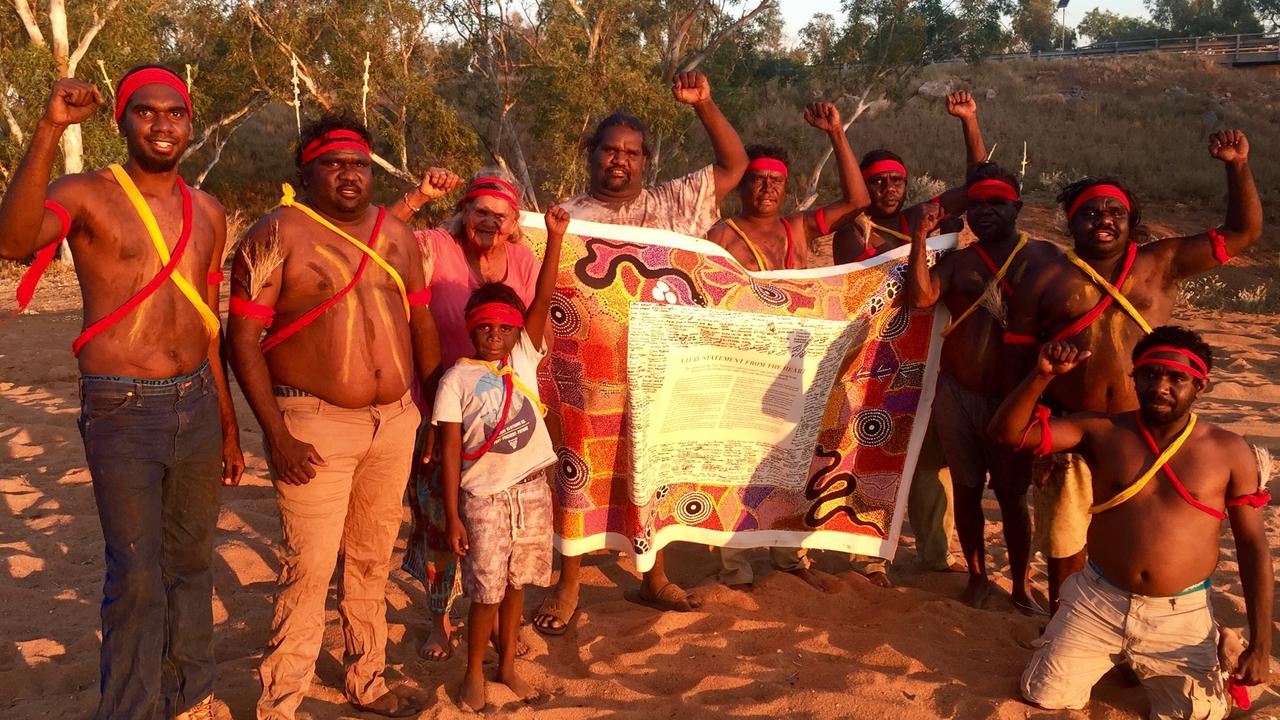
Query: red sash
[272, 341]
[151, 287]
[995, 271]
[1092, 316]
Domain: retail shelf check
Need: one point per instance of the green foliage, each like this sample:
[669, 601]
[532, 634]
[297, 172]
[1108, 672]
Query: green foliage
[1204, 17]
[1103, 26]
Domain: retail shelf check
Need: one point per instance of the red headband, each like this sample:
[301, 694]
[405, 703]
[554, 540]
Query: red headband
[1098, 191]
[1200, 371]
[504, 191]
[150, 76]
[992, 190]
[334, 140]
[768, 164]
[884, 166]
[496, 312]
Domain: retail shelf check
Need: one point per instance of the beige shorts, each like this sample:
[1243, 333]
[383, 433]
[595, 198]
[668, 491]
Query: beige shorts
[1061, 495]
[1170, 642]
[509, 538]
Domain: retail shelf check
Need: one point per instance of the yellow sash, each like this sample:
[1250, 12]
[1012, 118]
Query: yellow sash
[1151, 472]
[760, 263]
[515, 379]
[1111, 290]
[148, 218]
[1008, 262]
[894, 233]
[288, 200]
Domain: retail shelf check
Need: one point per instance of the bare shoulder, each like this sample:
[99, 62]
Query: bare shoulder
[266, 227]
[1226, 441]
[397, 231]
[84, 190]
[208, 207]
[719, 234]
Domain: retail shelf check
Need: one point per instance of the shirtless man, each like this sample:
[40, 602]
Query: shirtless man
[1144, 596]
[760, 237]
[617, 159]
[1071, 301]
[150, 368]
[887, 224]
[345, 310]
[977, 283]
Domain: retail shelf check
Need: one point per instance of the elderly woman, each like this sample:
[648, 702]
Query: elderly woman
[478, 245]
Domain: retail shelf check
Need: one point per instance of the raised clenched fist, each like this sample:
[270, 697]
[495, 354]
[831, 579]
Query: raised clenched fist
[691, 88]
[824, 116]
[1059, 358]
[557, 220]
[437, 182]
[962, 105]
[71, 102]
[1229, 146]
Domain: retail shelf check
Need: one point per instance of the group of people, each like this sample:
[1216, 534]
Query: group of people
[372, 354]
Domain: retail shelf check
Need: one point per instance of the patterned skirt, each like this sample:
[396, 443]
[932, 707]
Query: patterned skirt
[428, 556]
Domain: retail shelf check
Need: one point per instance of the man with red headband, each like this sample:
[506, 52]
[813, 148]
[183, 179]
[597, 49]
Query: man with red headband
[617, 161]
[888, 224]
[977, 283]
[1167, 482]
[1104, 295]
[338, 287]
[148, 254]
[760, 238]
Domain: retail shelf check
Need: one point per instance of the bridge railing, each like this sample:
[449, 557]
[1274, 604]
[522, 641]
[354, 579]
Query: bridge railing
[1231, 48]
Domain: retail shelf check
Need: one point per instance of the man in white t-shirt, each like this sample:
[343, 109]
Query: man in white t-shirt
[618, 155]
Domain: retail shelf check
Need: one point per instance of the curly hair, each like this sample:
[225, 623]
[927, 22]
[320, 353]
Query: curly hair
[1174, 336]
[1137, 230]
[620, 119]
[495, 292]
[992, 171]
[340, 120]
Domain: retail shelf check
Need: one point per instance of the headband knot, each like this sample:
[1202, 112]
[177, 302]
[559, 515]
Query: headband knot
[149, 76]
[1097, 191]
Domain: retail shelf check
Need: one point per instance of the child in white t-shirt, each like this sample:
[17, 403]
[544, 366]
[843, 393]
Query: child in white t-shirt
[494, 453]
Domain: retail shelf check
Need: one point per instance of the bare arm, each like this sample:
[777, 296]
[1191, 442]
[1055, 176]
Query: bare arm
[1243, 224]
[826, 117]
[692, 88]
[962, 106]
[1012, 423]
[292, 459]
[1256, 574]
[25, 224]
[451, 482]
[535, 318]
[925, 285]
[436, 183]
[232, 456]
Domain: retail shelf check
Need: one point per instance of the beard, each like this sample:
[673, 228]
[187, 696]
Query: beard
[150, 163]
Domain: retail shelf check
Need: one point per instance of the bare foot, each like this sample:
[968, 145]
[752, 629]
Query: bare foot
[977, 592]
[1027, 605]
[527, 693]
[742, 587]
[819, 580]
[434, 651]
[472, 691]
[879, 579]
[522, 647]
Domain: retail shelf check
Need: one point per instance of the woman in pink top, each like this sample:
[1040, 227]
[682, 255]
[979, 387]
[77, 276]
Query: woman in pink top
[480, 244]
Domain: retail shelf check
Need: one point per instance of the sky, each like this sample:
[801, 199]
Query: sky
[798, 12]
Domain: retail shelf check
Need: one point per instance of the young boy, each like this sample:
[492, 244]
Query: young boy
[494, 458]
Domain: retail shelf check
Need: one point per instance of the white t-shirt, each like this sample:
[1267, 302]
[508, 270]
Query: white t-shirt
[472, 394]
[686, 205]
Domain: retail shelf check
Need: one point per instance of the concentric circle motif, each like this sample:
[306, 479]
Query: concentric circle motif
[873, 427]
[564, 317]
[694, 507]
[770, 295]
[897, 325]
[574, 472]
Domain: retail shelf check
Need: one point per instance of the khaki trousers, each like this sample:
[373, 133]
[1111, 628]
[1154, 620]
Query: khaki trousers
[352, 506]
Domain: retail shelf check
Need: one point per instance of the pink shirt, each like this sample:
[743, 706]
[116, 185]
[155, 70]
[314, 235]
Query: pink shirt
[452, 282]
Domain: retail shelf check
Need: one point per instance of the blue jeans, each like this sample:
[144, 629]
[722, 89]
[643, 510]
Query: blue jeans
[154, 449]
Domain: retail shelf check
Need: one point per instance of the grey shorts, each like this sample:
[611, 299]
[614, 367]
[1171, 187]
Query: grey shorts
[509, 534]
[960, 418]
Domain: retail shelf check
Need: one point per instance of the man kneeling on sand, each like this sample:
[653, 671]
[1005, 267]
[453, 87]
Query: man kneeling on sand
[1153, 543]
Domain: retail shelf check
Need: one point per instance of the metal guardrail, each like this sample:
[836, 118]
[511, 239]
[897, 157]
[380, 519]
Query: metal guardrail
[1235, 49]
